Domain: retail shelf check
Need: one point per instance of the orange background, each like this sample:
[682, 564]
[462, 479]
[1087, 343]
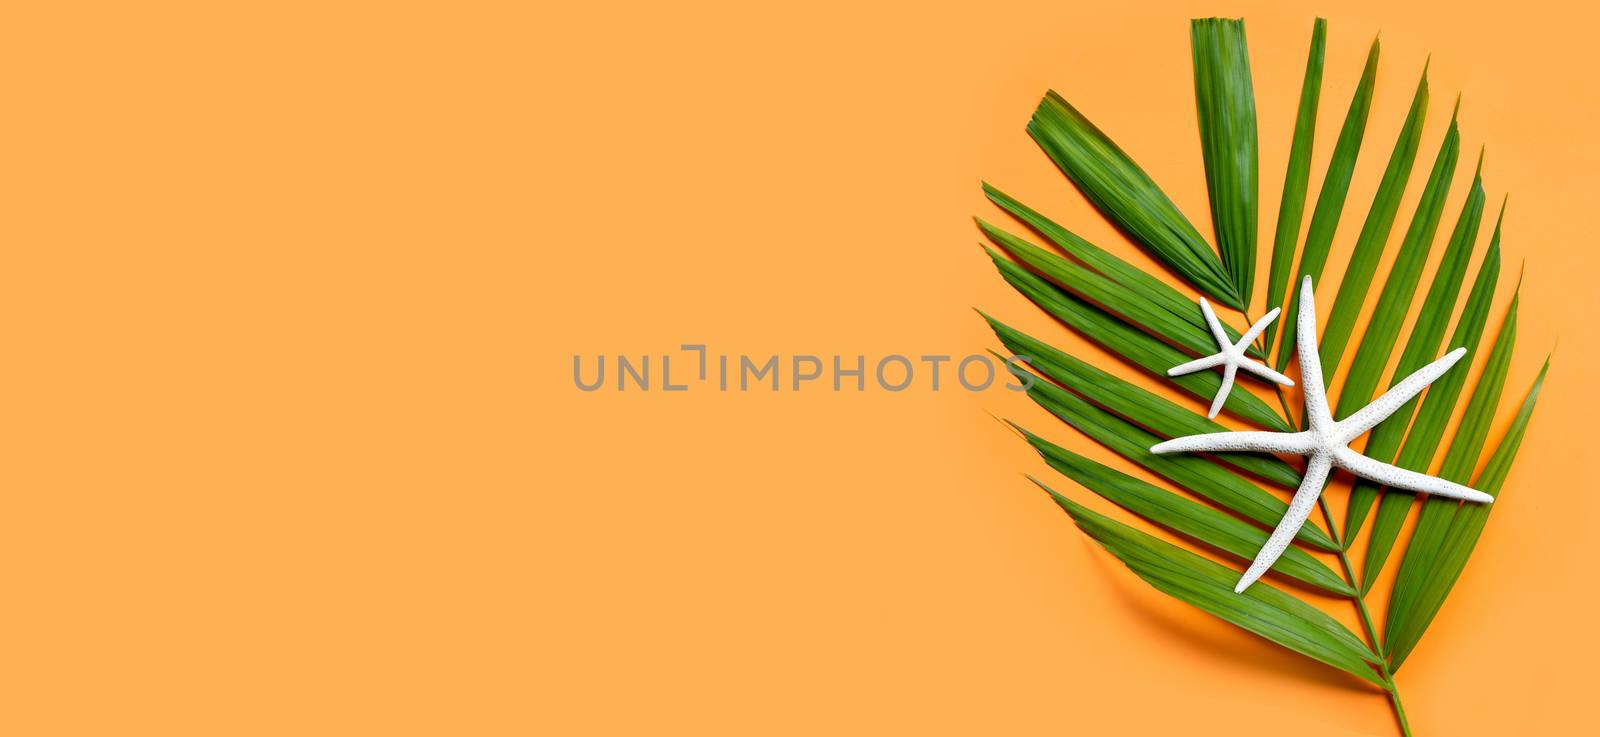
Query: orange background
[291, 295]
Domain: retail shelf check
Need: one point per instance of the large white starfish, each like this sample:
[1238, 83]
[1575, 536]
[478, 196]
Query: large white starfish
[1231, 357]
[1326, 441]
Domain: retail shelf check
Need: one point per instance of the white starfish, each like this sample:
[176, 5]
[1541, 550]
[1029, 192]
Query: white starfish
[1231, 357]
[1326, 440]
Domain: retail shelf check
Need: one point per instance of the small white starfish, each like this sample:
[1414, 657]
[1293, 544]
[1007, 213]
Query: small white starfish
[1231, 357]
[1326, 441]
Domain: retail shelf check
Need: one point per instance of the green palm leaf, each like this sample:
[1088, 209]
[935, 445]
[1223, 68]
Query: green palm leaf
[1147, 409]
[1131, 343]
[1461, 534]
[1384, 327]
[1437, 406]
[1426, 334]
[1263, 610]
[1226, 101]
[1403, 628]
[1330, 201]
[1374, 234]
[1198, 521]
[1112, 268]
[1124, 193]
[1144, 320]
[1203, 477]
[1298, 176]
[1135, 308]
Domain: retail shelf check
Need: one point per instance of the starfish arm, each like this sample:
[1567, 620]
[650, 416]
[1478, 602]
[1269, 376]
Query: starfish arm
[1196, 365]
[1311, 385]
[1299, 507]
[1369, 416]
[1266, 373]
[1267, 442]
[1222, 391]
[1216, 325]
[1255, 330]
[1401, 478]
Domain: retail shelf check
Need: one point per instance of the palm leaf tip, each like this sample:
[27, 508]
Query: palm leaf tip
[1363, 263]
[1225, 102]
[1331, 198]
[1112, 271]
[1298, 175]
[1125, 194]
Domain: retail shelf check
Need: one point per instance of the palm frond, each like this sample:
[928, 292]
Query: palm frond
[1217, 501]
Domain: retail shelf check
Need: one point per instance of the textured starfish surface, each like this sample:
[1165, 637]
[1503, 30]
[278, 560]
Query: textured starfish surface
[1231, 357]
[1325, 441]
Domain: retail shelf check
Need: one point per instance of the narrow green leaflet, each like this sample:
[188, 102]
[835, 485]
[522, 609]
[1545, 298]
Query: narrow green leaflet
[1140, 406]
[1428, 331]
[1372, 357]
[1131, 343]
[1407, 617]
[1217, 529]
[1330, 200]
[1125, 194]
[1467, 525]
[1297, 177]
[1114, 297]
[1226, 102]
[1437, 406]
[1374, 234]
[1439, 402]
[1194, 473]
[1115, 269]
[1208, 585]
[1426, 334]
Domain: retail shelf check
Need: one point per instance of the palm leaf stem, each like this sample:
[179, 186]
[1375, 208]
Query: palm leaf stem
[1366, 618]
[1360, 601]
